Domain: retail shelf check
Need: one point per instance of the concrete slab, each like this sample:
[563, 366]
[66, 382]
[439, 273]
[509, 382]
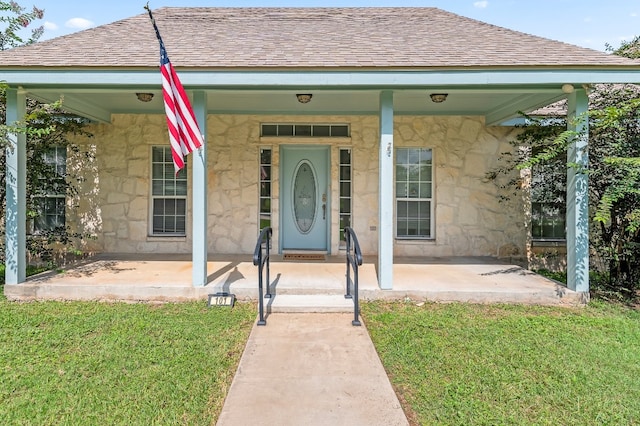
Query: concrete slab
[311, 369]
[161, 278]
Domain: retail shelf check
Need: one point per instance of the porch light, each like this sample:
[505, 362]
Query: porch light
[144, 97]
[438, 98]
[567, 88]
[304, 98]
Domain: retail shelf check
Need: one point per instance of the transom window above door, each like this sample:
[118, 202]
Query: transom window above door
[305, 130]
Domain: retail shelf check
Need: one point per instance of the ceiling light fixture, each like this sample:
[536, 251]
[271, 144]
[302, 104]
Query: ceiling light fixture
[438, 98]
[144, 97]
[567, 88]
[304, 98]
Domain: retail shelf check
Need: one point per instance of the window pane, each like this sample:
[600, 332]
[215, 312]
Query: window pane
[425, 190]
[265, 156]
[345, 156]
[265, 205]
[401, 190]
[285, 130]
[181, 188]
[265, 189]
[265, 172]
[402, 173]
[269, 130]
[345, 205]
[425, 173]
[345, 189]
[414, 190]
[303, 130]
[321, 131]
[340, 131]
[181, 224]
[414, 172]
[345, 172]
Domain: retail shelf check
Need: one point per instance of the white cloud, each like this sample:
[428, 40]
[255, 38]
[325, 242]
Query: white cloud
[633, 14]
[79, 23]
[50, 26]
[588, 19]
[481, 4]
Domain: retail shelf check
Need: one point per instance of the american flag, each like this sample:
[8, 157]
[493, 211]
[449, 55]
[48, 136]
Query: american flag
[184, 133]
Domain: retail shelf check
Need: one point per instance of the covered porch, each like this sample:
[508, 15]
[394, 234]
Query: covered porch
[297, 285]
[453, 96]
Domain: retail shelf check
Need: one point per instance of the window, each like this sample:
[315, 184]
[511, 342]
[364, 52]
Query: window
[168, 194]
[548, 207]
[414, 192]
[265, 188]
[305, 130]
[345, 192]
[50, 207]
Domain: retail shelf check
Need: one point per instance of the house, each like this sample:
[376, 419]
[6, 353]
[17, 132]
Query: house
[383, 119]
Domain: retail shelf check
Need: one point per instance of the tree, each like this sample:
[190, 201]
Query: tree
[628, 49]
[16, 19]
[614, 179]
[46, 126]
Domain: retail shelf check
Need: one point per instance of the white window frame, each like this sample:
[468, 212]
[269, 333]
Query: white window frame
[344, 197]
[56, 156]
[411, 191]
[265, 178]
[165, 185]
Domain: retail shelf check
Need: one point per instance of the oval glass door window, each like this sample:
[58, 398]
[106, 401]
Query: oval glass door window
[304, 196]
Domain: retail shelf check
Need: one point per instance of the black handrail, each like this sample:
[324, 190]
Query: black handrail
[354, 259]
[260, 259]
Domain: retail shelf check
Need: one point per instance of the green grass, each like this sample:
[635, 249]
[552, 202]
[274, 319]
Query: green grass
[98, 363]
[456, 364]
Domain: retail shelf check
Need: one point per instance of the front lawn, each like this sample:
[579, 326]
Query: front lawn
[100, 363]
[460, 364]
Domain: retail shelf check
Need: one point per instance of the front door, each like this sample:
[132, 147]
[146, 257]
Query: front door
[304, 197]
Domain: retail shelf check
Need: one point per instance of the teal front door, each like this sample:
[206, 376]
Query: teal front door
[304, 197]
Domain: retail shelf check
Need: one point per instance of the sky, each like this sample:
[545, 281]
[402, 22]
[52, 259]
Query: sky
[587, 23]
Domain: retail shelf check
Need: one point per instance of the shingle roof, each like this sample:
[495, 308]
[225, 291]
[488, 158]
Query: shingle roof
[306, 38]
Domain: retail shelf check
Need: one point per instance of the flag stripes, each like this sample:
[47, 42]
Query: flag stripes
[184, 133]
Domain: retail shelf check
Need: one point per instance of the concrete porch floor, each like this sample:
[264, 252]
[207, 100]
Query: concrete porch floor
[162, 277]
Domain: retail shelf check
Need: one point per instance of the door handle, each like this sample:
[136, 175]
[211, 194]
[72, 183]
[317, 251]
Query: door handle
[324, 206]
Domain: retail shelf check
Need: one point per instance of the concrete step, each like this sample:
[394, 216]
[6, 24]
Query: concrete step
[316, 303]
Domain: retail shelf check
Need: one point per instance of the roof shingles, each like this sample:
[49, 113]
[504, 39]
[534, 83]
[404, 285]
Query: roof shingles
[306, 38]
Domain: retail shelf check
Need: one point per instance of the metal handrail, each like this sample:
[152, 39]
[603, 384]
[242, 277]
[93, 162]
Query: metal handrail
[260, 259]
[354, 259]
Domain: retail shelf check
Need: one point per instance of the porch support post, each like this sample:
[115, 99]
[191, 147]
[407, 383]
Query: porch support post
[577, 194]
[385, 203]
[199, 197]
[16, 183]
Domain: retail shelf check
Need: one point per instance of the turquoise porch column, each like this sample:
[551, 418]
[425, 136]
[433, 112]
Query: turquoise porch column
[16, 183]
[386, 202]
[577, 194]
[199, 196]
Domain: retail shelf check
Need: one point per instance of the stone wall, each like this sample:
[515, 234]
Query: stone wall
[469, 218]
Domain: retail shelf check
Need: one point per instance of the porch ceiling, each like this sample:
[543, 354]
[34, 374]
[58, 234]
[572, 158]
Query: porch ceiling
[496, 105]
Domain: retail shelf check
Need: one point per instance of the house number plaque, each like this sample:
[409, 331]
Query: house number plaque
[222, 299]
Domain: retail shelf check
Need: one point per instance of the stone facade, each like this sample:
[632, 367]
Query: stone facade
[114, 203]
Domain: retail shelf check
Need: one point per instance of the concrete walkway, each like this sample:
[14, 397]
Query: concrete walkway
[310, 369]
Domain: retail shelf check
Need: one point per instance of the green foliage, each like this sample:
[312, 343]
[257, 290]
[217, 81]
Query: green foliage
[15, 20]
[462, 364]
[628, 49]
[46, 126]
[614, 177]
